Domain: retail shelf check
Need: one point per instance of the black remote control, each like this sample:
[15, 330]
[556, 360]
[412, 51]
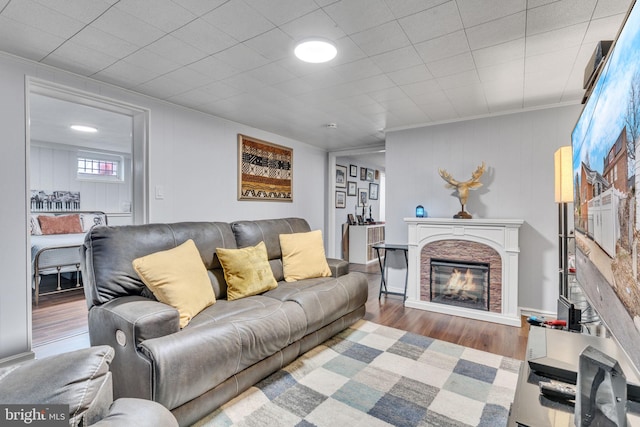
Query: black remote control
[558, 390]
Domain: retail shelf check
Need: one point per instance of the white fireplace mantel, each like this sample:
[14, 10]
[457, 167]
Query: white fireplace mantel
[500, 234]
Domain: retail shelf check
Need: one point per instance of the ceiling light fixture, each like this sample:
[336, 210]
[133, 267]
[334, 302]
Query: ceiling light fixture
[81, 128]
[315, 50]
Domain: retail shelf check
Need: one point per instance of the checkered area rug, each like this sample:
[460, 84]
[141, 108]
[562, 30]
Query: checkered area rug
[372, 375]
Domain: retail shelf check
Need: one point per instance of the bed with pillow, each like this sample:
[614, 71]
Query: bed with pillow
[56, 238]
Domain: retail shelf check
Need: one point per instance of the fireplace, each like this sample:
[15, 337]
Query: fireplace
[481, 255]
[460, 283]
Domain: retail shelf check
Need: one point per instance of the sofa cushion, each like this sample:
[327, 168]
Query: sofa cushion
[303, 256]
[246, 271]
[177, 277]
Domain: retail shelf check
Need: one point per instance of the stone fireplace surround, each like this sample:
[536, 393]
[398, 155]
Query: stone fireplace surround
[500, 236]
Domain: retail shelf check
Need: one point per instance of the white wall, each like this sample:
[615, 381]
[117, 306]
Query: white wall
[518, 150]
[54, 167]
[192, 155]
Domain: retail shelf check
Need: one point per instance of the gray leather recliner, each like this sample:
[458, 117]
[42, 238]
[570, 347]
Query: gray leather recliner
[82, 380]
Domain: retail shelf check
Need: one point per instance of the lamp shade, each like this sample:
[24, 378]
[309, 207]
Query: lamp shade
[563, 175]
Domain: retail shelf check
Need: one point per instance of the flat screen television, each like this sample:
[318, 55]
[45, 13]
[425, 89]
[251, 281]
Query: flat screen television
[606, 155]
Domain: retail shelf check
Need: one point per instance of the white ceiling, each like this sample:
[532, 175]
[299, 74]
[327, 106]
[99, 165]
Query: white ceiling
[400, 62]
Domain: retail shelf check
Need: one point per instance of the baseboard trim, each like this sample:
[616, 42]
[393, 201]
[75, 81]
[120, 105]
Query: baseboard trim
[17, 358]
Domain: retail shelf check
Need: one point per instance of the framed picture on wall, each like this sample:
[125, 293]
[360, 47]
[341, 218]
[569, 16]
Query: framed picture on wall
[363, 196]
[370, 175]
[353, 170]
[341, 199]
[352, 188]
[363, 174]
[341, 176]
[373, 191]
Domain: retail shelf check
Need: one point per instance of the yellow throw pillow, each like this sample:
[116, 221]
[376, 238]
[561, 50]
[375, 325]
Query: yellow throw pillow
[246, 271]
[178, 277]
[303, 256]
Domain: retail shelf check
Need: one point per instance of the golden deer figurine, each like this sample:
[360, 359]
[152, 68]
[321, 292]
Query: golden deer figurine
[462, 188]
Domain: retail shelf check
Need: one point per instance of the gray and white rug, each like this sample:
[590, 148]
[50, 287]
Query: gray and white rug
[372, 375]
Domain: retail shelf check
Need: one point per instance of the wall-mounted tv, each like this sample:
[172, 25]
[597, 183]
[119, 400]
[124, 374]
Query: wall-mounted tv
[606, 155]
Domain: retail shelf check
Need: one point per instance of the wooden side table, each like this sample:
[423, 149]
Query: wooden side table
[388, 247]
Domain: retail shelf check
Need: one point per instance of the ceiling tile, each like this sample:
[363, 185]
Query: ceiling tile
[47, 20]
[452, 65]
[611, 7]
[357, 15]
[225, 19]
[125, 74]
[443, 47]
[145, 58]
[179, 51]
[198, 7]
[505, 52]
[282, 11]
[348, 51]
[383, 38]
[241, 57]
[558, 15]
[271, 74]
[82, 10]
[410, 75]
[24, 41]
[468, 101]
[398, 59]
[122, 25]
[204, 37]
[213, 67]
[421, 90]
[294, 87]
[314, 24]
[466, 78]
[162, 14]
[244, 82]
[357, 70]
[274, 44]
[496, 32]
[604, 28]
[432, 23]
[163, 87]
[551, 41]
[80, 59]
[402, 8]
[503, 72]
[100, 41]
[479, 12]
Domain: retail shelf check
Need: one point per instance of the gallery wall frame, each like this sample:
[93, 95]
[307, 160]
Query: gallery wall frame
[341, 199]
[373, 191]
[341, 176]
[352, 188]
[363, 196]
[265, 170]
[353, 171]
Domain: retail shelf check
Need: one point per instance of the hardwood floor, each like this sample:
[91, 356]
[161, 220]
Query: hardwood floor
[60, 323]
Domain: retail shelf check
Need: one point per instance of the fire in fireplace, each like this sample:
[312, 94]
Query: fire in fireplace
[460, 283]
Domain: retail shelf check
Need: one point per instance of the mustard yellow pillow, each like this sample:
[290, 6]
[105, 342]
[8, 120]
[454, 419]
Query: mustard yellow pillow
[246, 271]
[303, 256]
[178, 277]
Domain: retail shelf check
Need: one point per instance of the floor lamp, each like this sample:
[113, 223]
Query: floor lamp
[563, 196]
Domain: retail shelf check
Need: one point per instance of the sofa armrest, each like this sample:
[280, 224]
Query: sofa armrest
[123, 323]
[137, 412]
[339, 267]
[80, 379]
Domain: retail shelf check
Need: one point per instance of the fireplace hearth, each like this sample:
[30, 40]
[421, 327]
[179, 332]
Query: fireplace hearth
[460, 283]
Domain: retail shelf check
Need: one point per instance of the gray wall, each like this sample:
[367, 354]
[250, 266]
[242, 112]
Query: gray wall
[518, 150]
[192, 155]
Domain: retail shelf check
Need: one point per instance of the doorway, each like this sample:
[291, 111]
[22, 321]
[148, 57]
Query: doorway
[100, 166]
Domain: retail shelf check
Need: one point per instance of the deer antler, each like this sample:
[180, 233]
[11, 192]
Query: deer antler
[451, 182]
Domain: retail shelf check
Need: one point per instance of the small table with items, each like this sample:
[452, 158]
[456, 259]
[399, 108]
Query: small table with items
[388, 247]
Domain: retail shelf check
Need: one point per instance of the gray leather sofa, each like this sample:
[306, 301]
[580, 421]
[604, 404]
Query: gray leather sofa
[80, 379]
[230, 345]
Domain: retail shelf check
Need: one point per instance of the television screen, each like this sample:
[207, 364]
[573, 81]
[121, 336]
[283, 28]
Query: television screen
[607, 213]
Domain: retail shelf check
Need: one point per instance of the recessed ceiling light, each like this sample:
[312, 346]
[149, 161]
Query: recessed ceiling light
[81, 128]
[315, 50]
